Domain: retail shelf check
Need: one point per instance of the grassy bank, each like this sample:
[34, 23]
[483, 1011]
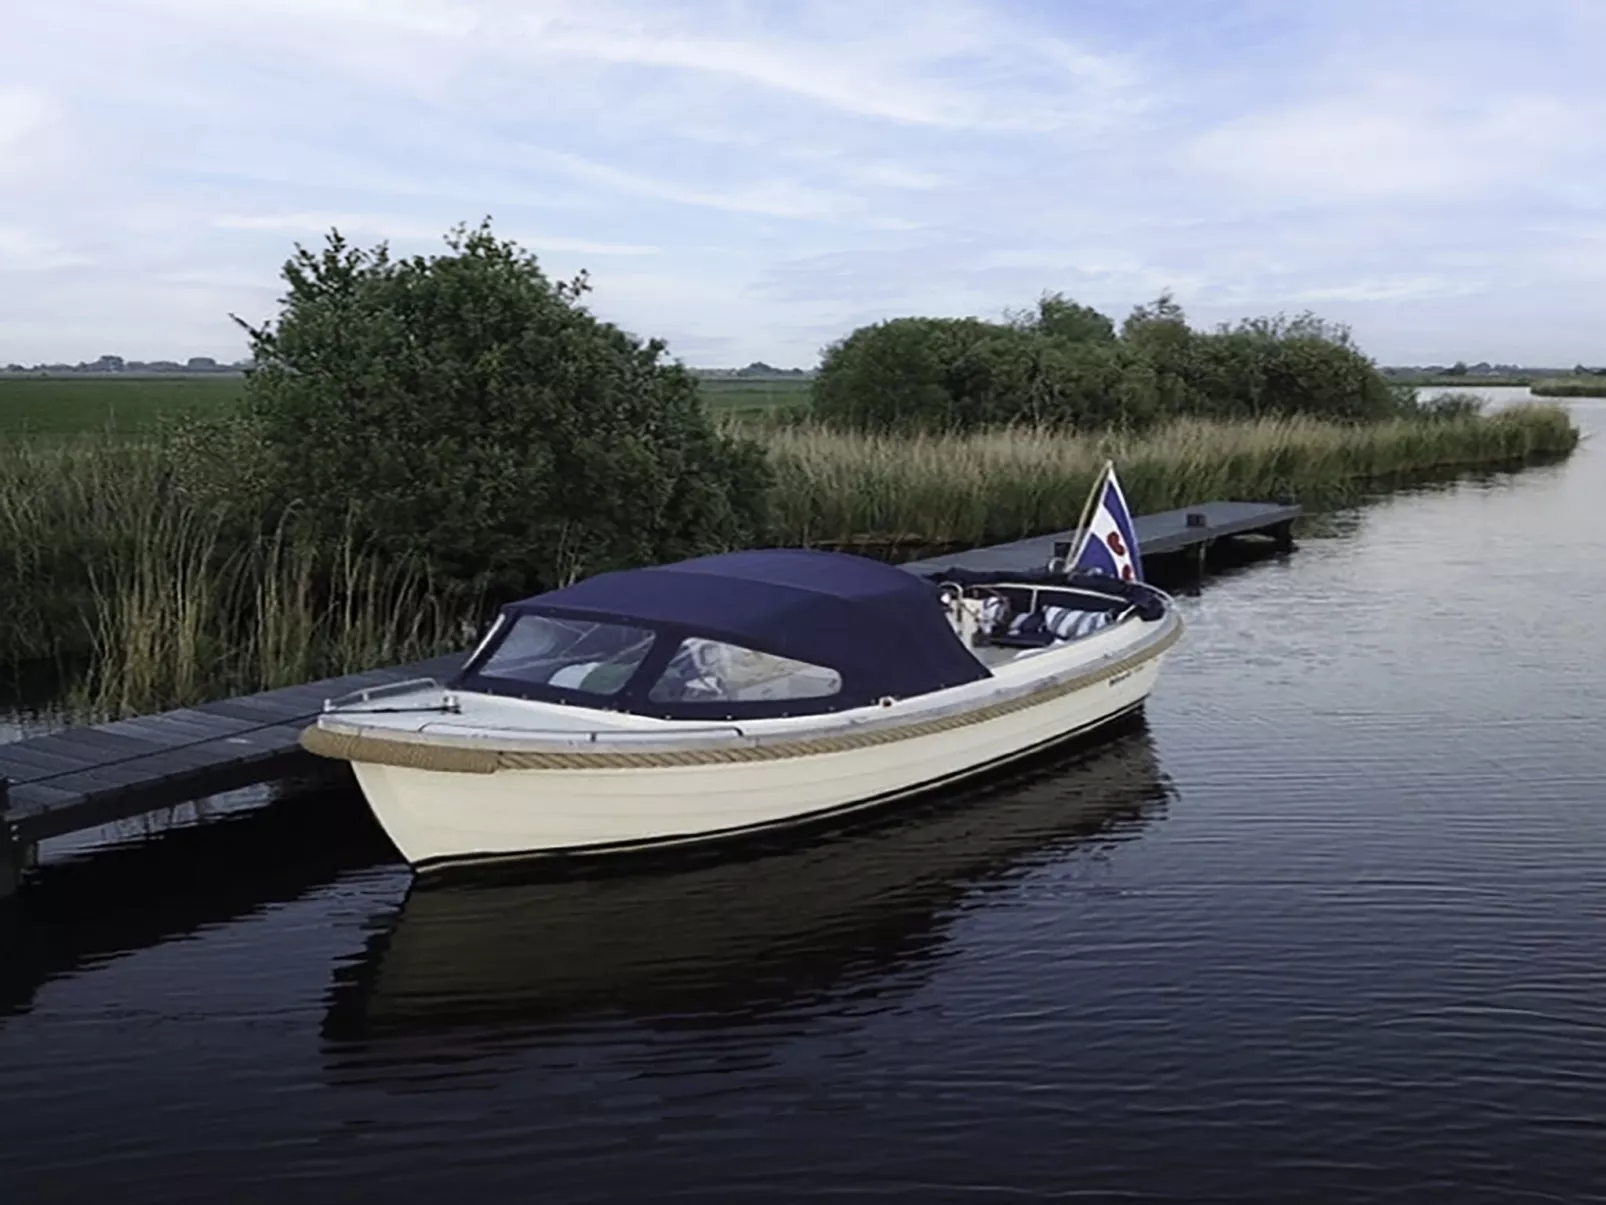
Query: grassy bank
[111, 554]
[841, 489]
[1570, 387]
[1462, 381]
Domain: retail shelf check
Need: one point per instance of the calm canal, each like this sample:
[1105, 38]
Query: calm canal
[1331, 926]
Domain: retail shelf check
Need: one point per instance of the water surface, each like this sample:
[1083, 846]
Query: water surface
[1331, 925]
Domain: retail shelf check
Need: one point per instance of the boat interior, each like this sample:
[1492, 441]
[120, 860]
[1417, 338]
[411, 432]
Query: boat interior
[1001, 621]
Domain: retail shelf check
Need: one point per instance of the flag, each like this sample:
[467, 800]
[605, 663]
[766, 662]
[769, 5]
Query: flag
[1109, 544]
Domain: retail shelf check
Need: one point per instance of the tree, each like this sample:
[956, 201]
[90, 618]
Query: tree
[1063, 365]
[1159, 333]
[1064, 320]
[899, 374]
[465, 410]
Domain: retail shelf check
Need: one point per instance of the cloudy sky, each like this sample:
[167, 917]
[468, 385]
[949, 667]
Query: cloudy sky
[753, 178]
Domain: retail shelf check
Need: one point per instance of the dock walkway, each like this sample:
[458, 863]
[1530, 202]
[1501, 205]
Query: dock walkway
[1189, 529]
[85, 777]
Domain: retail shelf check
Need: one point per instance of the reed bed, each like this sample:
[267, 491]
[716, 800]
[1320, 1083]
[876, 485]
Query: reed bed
[840, 489]
[169, 598]
[173, 586]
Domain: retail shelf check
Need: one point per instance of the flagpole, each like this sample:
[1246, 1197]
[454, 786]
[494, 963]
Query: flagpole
[1082, 529]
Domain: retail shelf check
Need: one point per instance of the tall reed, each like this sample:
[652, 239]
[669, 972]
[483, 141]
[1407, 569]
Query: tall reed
[176, 586]
[68, 510]
[845, 488]
[108, 557]
[185, 618]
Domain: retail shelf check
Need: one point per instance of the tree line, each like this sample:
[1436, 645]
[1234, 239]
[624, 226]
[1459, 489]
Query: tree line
[1067, 365]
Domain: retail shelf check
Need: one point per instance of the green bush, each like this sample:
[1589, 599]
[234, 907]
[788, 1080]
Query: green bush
[468, 413]
[1064, 366]
[897, 374]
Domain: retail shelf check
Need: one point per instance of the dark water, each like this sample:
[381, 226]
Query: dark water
[1330, 927]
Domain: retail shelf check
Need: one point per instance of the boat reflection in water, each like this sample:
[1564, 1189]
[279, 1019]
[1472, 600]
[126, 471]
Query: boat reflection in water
[734, 940]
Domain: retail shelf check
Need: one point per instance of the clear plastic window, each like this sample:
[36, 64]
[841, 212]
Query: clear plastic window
[572, 654]
[710, 671]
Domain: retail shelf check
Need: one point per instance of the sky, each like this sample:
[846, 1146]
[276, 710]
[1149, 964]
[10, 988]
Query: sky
[753, 179]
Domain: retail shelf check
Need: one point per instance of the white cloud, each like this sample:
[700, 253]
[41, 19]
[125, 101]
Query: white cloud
[30, 137]
[402, 230]
[1399, 288]
[26, 251]
[912, 62]
[1394, 139]
[22, 113]
[775, 199]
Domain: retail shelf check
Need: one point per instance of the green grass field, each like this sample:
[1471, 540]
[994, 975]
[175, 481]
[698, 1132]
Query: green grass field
[748, 393]
[61, 406]
[65, 406]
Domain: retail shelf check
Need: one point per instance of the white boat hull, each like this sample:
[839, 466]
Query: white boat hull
[439, 818]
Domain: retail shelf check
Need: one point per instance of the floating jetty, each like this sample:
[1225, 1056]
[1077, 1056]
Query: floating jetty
[86, 777]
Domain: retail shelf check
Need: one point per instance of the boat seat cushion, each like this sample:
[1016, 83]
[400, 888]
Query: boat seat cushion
[1048, 625]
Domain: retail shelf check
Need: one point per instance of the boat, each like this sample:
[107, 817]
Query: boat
[740, 693]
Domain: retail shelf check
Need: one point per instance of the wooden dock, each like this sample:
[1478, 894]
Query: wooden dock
[1192, 529]
[82, 778]
[85, 777]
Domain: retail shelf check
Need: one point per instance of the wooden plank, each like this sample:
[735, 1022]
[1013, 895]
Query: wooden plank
[195, 717]
[91, 745]
[122, 777]
[169, 731]
[262, 711]
[186, 721]
[281, 736]
[110, 807]
[205, 755]
[34, 799]
[23, 764]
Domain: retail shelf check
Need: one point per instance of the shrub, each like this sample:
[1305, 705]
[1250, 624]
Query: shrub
[1063, 366]
[898, 374]
[467, 412]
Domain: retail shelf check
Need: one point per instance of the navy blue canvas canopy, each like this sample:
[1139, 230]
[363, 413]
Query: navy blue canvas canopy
[882, 629]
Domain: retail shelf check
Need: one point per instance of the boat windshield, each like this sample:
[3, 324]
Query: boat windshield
[711, 671]
[575, 654]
